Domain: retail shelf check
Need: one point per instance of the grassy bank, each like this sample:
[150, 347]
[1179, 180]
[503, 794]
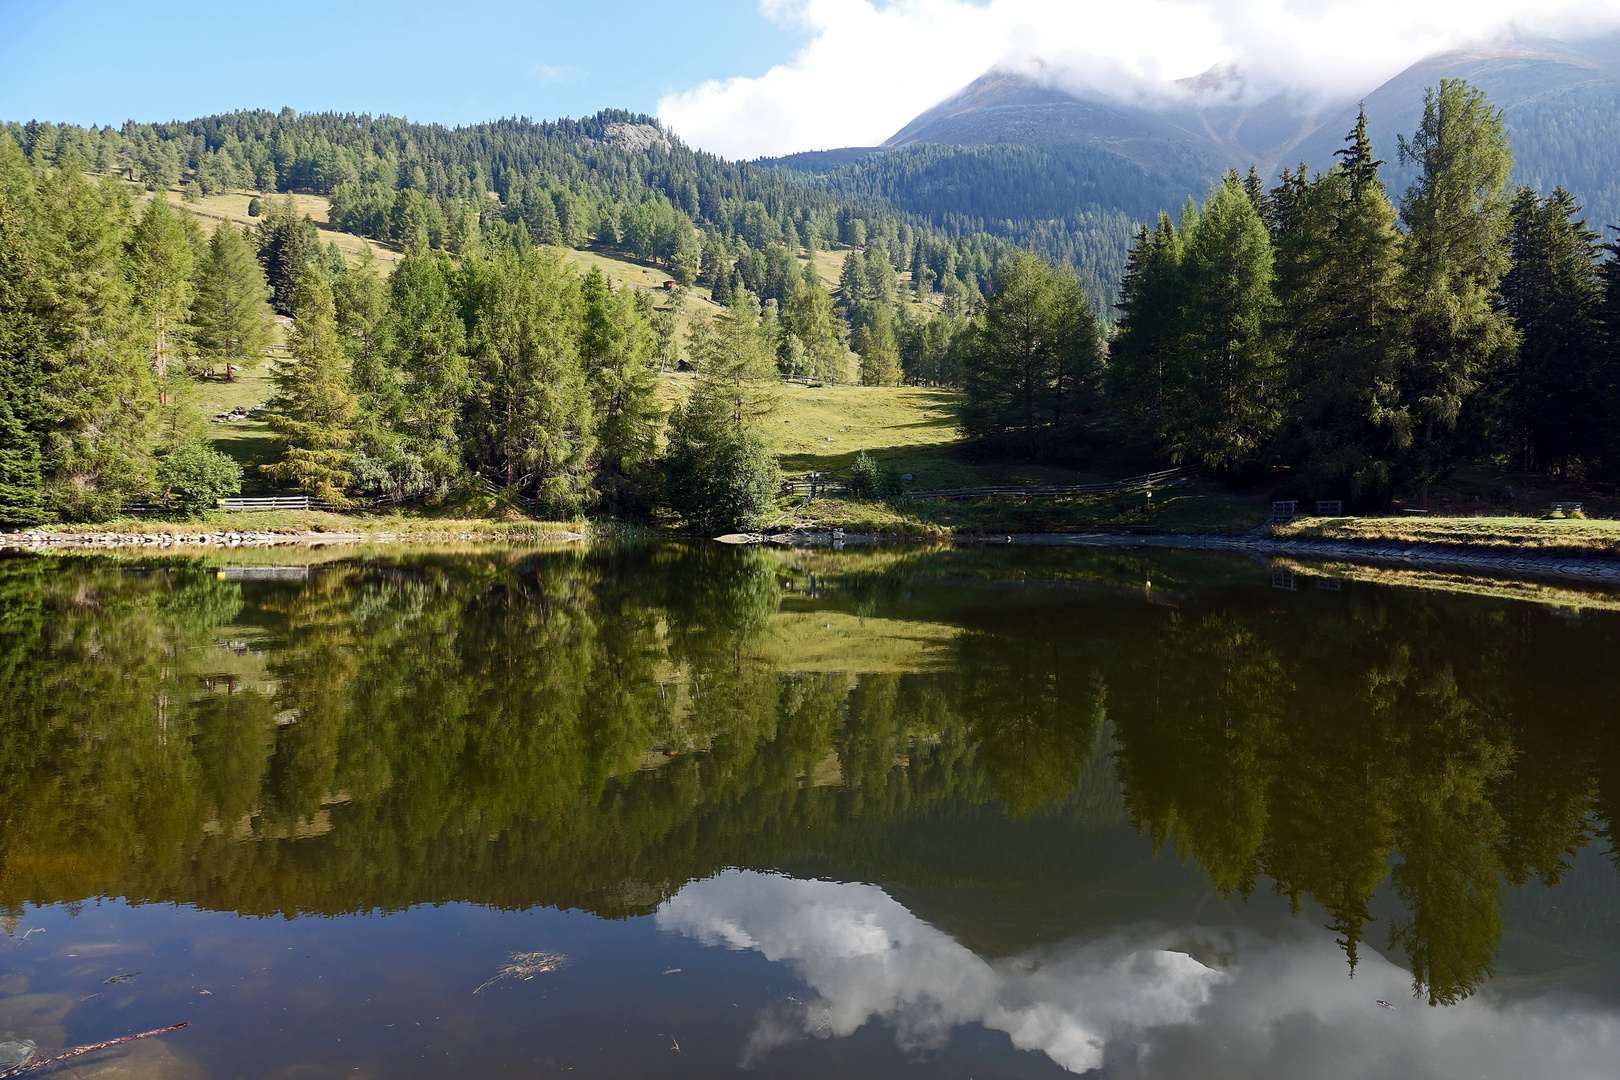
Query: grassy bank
[1533, 535]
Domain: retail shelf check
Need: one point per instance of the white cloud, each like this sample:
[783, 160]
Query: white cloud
[868, 68]
[547, 73]
[1135, 1001]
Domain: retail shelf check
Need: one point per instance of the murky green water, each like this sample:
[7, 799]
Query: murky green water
[946, 813]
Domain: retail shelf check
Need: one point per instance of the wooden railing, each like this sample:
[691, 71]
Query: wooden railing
[276, 502]
[1162, 478]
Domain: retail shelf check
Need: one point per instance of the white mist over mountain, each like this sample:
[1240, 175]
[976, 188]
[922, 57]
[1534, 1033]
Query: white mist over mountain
[868, 68]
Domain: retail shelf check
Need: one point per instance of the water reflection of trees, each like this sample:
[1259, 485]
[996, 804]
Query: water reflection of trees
[596, 730]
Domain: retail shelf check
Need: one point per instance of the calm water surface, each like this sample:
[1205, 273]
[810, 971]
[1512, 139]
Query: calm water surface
[919, 812]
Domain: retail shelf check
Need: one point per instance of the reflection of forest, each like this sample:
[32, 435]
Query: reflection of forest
[596, 730]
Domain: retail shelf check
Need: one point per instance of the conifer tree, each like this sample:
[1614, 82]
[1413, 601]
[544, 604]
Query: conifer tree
[230, 316]
[1455, 215]
[1007, 373]
[99, 387]
[1227, 386]
[852, 282]
[425, 353]
[880, 355]
[160, 267]
[616, 346]
[287, 243]
[1148, 334]
[22, 376]
[1077, 367]
[719, 470]
[1338, 276]
[536, 424]
[809, 317]
[312, 412]
[737, 383]
[1553, 294]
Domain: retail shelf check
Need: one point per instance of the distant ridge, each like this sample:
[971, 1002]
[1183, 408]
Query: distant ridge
[1561, 101]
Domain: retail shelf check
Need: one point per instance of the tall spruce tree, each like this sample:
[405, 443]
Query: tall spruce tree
[1147, 335]
[288, 242]
[312, 412]
[1338, 276]
[1455, 214]
[230, 317]
[1553, 294]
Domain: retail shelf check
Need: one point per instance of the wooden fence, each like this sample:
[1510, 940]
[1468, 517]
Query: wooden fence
[825, 484]
[1162, 478]
[276, 502]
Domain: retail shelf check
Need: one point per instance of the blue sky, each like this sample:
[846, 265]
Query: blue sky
[100, 62]
[739, 77]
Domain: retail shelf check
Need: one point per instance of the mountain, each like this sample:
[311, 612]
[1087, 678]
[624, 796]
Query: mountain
[1561, 101]
[1198, 128]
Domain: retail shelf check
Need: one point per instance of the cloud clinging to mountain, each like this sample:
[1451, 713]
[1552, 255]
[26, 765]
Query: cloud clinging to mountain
[867, 68]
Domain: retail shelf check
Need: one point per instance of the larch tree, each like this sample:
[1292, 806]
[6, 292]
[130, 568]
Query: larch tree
[99, 389]
[809, 317]
[230, 317]
[1227, 386]
[425, 349]
[536, 418]
[312, 412]
[880, 354]
[22, 376]
[160, 266]
[1455, 214]
[616, 345]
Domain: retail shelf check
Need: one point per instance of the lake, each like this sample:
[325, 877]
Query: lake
[700, 811]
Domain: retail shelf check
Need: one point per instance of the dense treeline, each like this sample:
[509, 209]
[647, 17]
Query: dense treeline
[489, 723]
[615, 178]
[1069, 204]
[1319, 326]
[501, 368]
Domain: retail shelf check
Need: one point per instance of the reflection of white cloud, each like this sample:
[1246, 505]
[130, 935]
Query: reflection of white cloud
[868, 957]
[1280, 1008]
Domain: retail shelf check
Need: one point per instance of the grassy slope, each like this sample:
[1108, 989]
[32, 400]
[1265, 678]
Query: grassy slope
[912, 429]
[232, 206]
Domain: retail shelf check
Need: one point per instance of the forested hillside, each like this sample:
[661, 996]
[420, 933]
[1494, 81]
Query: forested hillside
[615, 180]
[1068, 203]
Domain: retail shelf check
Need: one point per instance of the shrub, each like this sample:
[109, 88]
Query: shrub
[868, 480]
[726, 482]
[193, 477]
[253, 206]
